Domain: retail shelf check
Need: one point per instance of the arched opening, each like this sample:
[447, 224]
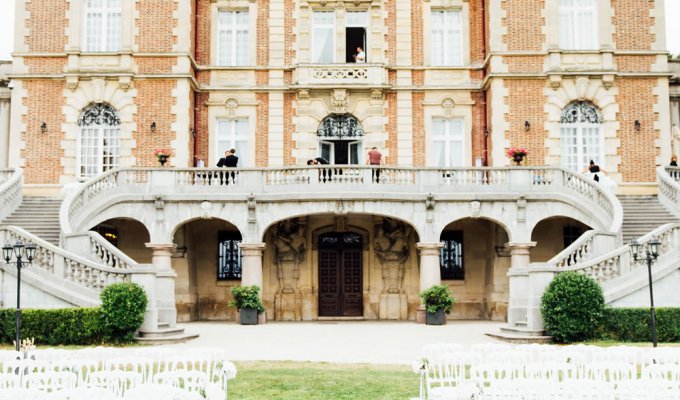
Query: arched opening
[553, 235]
[341, 139]
[339, 266]
[128, 235]
[581, 136]
[208, 264]
[98, 141]
[474, 264]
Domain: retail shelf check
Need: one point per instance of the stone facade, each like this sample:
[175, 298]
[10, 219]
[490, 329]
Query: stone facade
[168, 82]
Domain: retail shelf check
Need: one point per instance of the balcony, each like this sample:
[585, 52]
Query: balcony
[341, 75]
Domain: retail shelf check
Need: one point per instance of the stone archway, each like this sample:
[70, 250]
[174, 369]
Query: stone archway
[340, 139]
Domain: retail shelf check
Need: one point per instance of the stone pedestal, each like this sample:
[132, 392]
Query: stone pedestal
[430, 272]
[393, 306]
[252, 264]
[393, 276]
[288, 307]
[518, 281]
[161, 259]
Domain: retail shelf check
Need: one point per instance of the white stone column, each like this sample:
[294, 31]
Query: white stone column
[4, 128]
[161, 259]
[518, 280]
[251, 273]
[430, 272]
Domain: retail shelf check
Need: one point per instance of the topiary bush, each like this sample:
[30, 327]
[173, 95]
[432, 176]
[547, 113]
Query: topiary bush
[572, 307]
[123, 306]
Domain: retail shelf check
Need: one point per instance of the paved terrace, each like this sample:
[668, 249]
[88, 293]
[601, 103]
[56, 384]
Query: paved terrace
[372, 342]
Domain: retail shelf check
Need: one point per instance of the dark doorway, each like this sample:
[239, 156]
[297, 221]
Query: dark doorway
[340, 275]
[355, 37]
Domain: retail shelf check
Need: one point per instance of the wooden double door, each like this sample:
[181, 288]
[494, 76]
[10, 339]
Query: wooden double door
[340, 275]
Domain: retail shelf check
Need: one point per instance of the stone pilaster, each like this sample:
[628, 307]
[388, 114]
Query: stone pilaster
[518, 281]
[4, 127]
[252, 264]
[161, 259]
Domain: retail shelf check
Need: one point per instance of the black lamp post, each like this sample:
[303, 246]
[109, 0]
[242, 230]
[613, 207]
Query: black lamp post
[20, 252]
[651, 253]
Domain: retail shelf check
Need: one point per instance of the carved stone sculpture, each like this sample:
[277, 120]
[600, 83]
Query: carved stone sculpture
[392, 249]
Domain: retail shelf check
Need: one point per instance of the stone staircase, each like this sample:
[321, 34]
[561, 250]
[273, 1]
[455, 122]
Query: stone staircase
[38, 215]
[643, 214]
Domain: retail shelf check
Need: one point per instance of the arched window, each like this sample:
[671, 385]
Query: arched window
[340, 139]
[581, 136]
[99, 141]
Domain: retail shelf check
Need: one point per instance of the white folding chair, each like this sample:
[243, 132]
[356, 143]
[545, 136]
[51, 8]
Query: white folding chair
[85, 393]
[154, 391]
[51, 381]
[142, 366]
[9, 381]
[193, 381]
[115, 381]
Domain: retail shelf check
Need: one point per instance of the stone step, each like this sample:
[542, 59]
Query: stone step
[518, 338]
[164, 335]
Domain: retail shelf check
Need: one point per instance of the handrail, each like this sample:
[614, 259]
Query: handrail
[354, 178]
[669, 187]
[583, 249]
[64, 265]
[100, 249]
[11, 183]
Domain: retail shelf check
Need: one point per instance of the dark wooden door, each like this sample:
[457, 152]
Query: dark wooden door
[340, 275]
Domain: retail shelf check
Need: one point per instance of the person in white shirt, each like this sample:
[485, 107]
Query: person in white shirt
[361, 56]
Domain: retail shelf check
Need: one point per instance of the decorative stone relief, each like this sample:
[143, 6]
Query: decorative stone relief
[521, 209]
[124, 82]
[205, 209]
[159, 205]
[555, 81]
[582, 84]
[391, 246]
[72, 83]
[476, 208]
[448, 104]
[429, 208]
[607, 81]
[290, 247]
[231, 104]
[252, 204]
[303, 96]
[339, 101]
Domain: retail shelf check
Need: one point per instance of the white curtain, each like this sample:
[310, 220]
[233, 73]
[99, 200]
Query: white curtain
[578, 24]
[324, 37]
[232, 38]
[447, 143]
[234, 133]
[446, 36]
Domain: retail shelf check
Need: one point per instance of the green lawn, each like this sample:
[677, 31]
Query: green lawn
[322, 381]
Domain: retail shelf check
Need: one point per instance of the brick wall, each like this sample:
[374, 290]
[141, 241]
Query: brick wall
[525, 103]
[202, 134]
[418, 129]
[155, 25]
[638, 151]
[476, 31]
[390, 36]
[636, 63]
[524, 64]
[43, 151]
[154, 104]
[262, 130]
[45, 65]
[632, 24]
[288, 127]
[204, 30]
[391, 127]
[46, 25]
[417, 54]
[290, 37]
[524, 24]
[155, 65]
[478, 126]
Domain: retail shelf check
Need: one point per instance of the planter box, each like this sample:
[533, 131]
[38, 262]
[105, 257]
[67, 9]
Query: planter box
[247, 316]
[438, 318]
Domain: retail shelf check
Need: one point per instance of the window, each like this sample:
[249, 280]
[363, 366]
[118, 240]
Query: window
[570, 234]
[232, 38]
[451, 256]
[447, 143]
[230, 259]
[356, 26]
[103, 25]
[447, 38]
[99, 141]
[578, 24]
[323, 26]
[234, 134]
[581, 138]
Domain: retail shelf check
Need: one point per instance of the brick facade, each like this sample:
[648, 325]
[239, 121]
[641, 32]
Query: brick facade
[156, 24]
[46, 25]
[418, 129]
[523, 106]
[524, 22]
[262, 130]
[632, 22]
[155, 100]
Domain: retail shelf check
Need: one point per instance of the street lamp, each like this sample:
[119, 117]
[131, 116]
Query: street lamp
[20, 252]
[651, 253]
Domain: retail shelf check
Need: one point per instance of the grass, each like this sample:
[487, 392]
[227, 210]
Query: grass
[322, 381]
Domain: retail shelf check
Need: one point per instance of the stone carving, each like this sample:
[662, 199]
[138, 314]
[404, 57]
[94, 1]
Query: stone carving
[448, 104]
[607, 81]
[476, 208]
[582, 84]
[72, 83]
[124, 83]
[339, 101]
[231, 104]
[159, 205]
[429, 208]
[205, 209]
[521, 209]
[252, 204]
[581, 111]
[290, 247]
[555, 82]
[391, 246]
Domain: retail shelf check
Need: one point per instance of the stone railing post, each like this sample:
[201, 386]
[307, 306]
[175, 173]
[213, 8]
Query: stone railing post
[161, 258]
[252, 264]
[430, 272]
[518, 281]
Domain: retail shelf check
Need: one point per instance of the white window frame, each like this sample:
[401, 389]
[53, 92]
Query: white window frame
[579, 159]
[449, 136]
[452, 35]
[231, 139]
[577, 31]
[108, 41]
[228, 54]
[99, 134]
[314, 38]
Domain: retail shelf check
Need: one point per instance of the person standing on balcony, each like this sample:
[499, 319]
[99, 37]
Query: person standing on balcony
[375, 158]
[361, 56]
[230, 160]
[674, 161]
[593, 169]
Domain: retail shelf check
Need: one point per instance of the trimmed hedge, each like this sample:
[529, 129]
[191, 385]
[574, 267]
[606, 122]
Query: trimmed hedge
[634, 325]
[54, 326]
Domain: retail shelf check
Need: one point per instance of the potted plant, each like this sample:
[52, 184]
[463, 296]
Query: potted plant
[247, 302]
[438, 301]
[518, 154]
[162, 155]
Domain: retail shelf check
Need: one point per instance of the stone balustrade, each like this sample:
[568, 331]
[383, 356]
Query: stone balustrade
[319, 75]
[11, 182]
[669, 187]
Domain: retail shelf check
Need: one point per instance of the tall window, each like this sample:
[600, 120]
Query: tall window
[103, 25]
[578, 24]
[233, 38]
[234, 134]
[451, 256]
[581, 138]
[447, 143]
[447, 38]
[323, 37]
[230, 259]
[99, 142]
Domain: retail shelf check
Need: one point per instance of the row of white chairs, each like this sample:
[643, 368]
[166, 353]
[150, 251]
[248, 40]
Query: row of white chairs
[142, 392]
[101, 353]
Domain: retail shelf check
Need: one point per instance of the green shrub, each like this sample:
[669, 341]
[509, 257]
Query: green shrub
[246, 297]
[66, 326]
[123, 306]
[572, 307]
[633, 325]
[438, 297]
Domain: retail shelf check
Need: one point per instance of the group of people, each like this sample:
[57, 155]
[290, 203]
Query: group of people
[375, 157]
